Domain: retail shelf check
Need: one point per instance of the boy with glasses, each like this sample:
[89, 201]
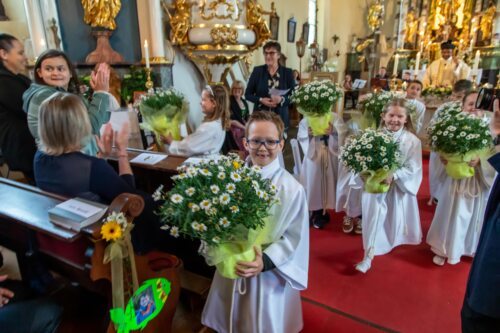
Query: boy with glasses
[266, 297]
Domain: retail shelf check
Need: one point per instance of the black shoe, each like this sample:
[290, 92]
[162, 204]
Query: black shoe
[318, 222]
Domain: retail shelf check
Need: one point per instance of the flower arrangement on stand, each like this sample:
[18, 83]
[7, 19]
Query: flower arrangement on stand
[437, 91]
[459, 138]
[223, 203]
[373, 154]
[314, 100]
[163, 112]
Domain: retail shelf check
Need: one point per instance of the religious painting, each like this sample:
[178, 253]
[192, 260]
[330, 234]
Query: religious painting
[291, 27]
[305, 33]
[274, 23]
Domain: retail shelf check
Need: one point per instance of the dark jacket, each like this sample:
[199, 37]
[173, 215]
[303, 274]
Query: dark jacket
[258, 87]
[236, 112]
[483, 292]
[17, 144]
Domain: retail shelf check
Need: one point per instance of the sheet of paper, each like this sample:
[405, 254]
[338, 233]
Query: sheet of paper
[79, 208]
[278, 92]
[148, 158]
[359, 84]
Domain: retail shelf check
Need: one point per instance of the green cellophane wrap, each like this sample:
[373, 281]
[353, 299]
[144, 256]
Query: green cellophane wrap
[318, 123]
[226, 255]
[164, 121]
[374, 179]
[458, 164]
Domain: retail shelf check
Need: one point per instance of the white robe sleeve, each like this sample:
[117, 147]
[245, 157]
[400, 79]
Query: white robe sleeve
[303, 136]
[206, 139]
[409, 177]
[290, 252]
[487, 172]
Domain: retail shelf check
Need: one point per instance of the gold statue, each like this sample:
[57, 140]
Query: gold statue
[487, 21]
[459, 10]
[375, 16]
[101, 13]
[180, 21]
[411, 25]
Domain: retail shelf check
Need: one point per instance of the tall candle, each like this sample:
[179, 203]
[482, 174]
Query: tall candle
[476, 61]
[417, 63]
[146, 52]
[396, 63]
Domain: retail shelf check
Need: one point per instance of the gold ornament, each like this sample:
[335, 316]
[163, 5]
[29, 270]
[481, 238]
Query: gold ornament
[257, 23]
[101, 13]
[228, 8]
[222, 35]
[375, 16]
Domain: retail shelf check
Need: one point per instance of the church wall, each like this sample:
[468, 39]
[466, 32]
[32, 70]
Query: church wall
[79, 42]
[17, 25]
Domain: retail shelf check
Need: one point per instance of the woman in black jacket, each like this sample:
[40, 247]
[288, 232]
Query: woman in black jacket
[16, 142]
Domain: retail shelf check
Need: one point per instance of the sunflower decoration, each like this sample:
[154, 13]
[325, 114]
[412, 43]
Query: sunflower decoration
[112, 229]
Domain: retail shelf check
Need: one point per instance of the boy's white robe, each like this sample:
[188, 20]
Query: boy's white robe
[458, 219]
[319, 168]
[392, 218]
[207, 139]
[271, 303]
[348, 198]
[417, 119]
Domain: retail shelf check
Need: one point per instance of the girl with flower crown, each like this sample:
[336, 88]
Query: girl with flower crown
[392, 218]
[458, 219]
[210, 135]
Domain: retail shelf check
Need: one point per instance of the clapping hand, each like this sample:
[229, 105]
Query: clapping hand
[5, 294]
[99, 78]
[475, 162]
[105, 142]
[121, 138]
[495, 120]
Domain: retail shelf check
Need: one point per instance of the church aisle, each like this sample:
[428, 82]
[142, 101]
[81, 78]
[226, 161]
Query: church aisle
[403, 292]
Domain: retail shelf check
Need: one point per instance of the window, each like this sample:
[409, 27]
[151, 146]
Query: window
[312, 20]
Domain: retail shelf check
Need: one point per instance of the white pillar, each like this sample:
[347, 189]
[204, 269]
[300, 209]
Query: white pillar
[143, 18]
[35, 26]
[156, 29]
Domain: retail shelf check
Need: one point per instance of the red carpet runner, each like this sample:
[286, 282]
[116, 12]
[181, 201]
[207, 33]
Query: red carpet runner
[402, 292]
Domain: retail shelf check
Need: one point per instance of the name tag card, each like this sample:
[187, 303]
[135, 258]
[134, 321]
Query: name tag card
[79, 208]
[148, 158]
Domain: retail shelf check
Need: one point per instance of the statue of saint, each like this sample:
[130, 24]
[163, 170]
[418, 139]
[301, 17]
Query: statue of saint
[180, 21]
[3, 17]
[375, 16]
[487, 22]
[101, 13]
[411, 26]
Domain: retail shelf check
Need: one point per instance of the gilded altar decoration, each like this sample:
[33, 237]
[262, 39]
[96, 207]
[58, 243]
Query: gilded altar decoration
[220, 9]
[487, 18]
[218, 33]
[375, 16]
[101, 13]
[411, 26]
[224, 35]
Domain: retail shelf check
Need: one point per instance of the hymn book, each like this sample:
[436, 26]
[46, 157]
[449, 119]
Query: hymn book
[77, 213]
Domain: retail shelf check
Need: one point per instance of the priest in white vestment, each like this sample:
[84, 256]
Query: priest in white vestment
[446, 70]
[268, 300]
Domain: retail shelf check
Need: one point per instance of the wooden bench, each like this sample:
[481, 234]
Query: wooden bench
[77, 255]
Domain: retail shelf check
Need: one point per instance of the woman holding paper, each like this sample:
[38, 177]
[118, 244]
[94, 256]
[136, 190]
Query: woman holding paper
[271, 85]
[60, 166]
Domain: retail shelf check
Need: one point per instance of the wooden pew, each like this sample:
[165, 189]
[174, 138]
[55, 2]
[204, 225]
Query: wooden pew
[77, 255]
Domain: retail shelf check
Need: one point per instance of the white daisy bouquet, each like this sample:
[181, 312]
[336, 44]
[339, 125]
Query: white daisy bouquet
[373, 154]
[163, 112]
[223, 203]
[315, 100]
[460, 138]
[437, 91]
[372, 105]
[448, 109]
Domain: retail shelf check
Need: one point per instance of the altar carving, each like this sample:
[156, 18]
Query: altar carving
[101, 13]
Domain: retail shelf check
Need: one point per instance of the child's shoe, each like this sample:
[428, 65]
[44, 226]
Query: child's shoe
[347, 224]
[358, 229]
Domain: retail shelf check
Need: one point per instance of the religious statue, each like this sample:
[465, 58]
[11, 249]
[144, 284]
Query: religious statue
[375, 16]
[438, 19]
[459, 12]
[180, 21]
[411, 26]
[101, 13]
[55, 33]
[487, 22]
[3, 17]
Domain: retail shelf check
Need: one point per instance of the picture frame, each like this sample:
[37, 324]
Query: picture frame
[321, 76]
[305, 32]
[291, 29]
[274, 24]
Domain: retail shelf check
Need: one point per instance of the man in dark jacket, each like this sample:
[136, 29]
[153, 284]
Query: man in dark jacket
[481, 308]
[268, 78]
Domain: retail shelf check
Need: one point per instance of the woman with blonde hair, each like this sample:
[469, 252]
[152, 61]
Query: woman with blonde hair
[61, 167]
[239, 113]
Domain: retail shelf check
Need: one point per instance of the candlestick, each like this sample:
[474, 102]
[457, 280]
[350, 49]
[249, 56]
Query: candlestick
[476, 61]
[146, 53]
[396, 63]
[149, 83]
[417, 65]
